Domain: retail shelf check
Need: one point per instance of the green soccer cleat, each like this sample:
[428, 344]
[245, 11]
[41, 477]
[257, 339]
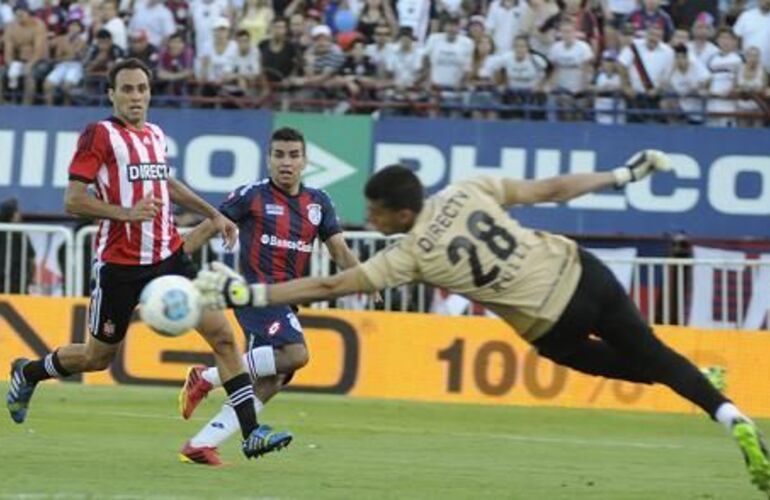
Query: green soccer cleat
[754, 452]
[717, 375]
[19, 392]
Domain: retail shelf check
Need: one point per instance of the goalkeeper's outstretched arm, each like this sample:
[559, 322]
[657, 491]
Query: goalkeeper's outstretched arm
[221, 288]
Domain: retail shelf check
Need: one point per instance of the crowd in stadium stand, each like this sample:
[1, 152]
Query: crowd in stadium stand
[696, 61]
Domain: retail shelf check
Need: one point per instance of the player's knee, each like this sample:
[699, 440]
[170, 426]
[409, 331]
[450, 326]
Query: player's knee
[298, 356]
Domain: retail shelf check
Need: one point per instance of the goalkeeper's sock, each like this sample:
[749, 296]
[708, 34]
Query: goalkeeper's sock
[44, 368]
[240, 394]
[259, 361]
[223, 425]
[727, 413]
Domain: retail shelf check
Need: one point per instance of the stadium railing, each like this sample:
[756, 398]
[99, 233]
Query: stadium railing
[663, 288]
[29, 259]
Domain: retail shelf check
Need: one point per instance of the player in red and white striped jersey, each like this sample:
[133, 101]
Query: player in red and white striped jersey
[124, 157]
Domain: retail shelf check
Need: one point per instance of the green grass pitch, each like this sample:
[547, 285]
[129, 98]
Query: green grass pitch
[122, 442]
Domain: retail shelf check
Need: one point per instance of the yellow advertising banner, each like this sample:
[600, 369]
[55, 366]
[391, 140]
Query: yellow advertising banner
[403, 356]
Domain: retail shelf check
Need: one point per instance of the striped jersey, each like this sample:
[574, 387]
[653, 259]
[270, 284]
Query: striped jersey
[277, 230]
[125, 165]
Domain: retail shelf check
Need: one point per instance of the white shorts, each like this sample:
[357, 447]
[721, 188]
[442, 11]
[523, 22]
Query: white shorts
[70, 72]
[15, 71]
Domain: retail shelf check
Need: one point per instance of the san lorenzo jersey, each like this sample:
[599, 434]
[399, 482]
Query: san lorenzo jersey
[465, 242]
[126, 165]
[277, 230]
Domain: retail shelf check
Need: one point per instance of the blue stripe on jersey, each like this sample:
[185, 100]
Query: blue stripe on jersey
[295, 230]
[265, 257]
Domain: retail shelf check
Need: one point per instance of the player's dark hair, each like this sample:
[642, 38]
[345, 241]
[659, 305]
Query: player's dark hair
[396, 187]
[131, 63]
[288, 134]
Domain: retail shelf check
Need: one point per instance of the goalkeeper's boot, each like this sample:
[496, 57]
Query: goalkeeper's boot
[19, 392]
[717, 375]
[193, 391]
[205, 455]
[754, 452]
[263, 440]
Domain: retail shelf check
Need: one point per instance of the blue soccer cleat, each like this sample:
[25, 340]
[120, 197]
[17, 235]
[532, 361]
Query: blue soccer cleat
[263, 440]
[19, 392]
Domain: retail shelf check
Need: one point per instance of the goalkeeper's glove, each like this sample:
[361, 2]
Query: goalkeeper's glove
[223, 288]
[640, 166]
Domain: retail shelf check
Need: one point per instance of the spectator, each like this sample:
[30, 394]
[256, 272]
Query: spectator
[750, 86]
[524, 75]
[256, 18]
[688, 79]
[374, 15]
[680, 37]
[100, 57]
[404, 67]
[154, 18]
[204, 14]
[109, 20]
[378, 51]
[753, 28]
[572, 71]
[279, 56]
[482, 79]
[53, 16]
[416, 15]
[175, 66]
[620, 10]
[84, 11]
[449, 56]
[609, 106]
[543, 24]
[25, 43]
[586, 26]
[505, 20]
[68, 52]
[180, 10]
[724, 68]
[646, 64]
[701, 47]
[243, 76]
[216, 59]
[299, 35]
[358, 73]
[685, 12]
[139, 46]
[652, 15]
[476, 28]
[323, 59]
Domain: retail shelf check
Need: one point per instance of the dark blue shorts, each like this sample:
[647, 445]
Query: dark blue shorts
[273, 326]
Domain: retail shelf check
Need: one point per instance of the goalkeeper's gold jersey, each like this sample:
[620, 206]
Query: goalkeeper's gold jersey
[464, 241]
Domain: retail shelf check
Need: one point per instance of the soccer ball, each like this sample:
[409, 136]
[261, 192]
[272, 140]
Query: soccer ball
[170, 305]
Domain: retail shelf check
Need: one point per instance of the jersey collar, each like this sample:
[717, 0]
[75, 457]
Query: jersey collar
[275, 186]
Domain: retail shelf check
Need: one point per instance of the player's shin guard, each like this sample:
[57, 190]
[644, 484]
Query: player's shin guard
[260, 362]
[240, 394]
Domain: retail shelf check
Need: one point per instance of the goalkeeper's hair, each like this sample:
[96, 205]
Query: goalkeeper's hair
[396, 187]
[288, 134]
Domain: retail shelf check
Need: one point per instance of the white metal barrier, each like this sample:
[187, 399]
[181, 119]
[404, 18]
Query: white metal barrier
[716, 293]
[29, 259]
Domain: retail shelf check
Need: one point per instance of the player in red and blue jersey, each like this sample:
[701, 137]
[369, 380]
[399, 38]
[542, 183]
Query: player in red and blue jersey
[278, 219]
